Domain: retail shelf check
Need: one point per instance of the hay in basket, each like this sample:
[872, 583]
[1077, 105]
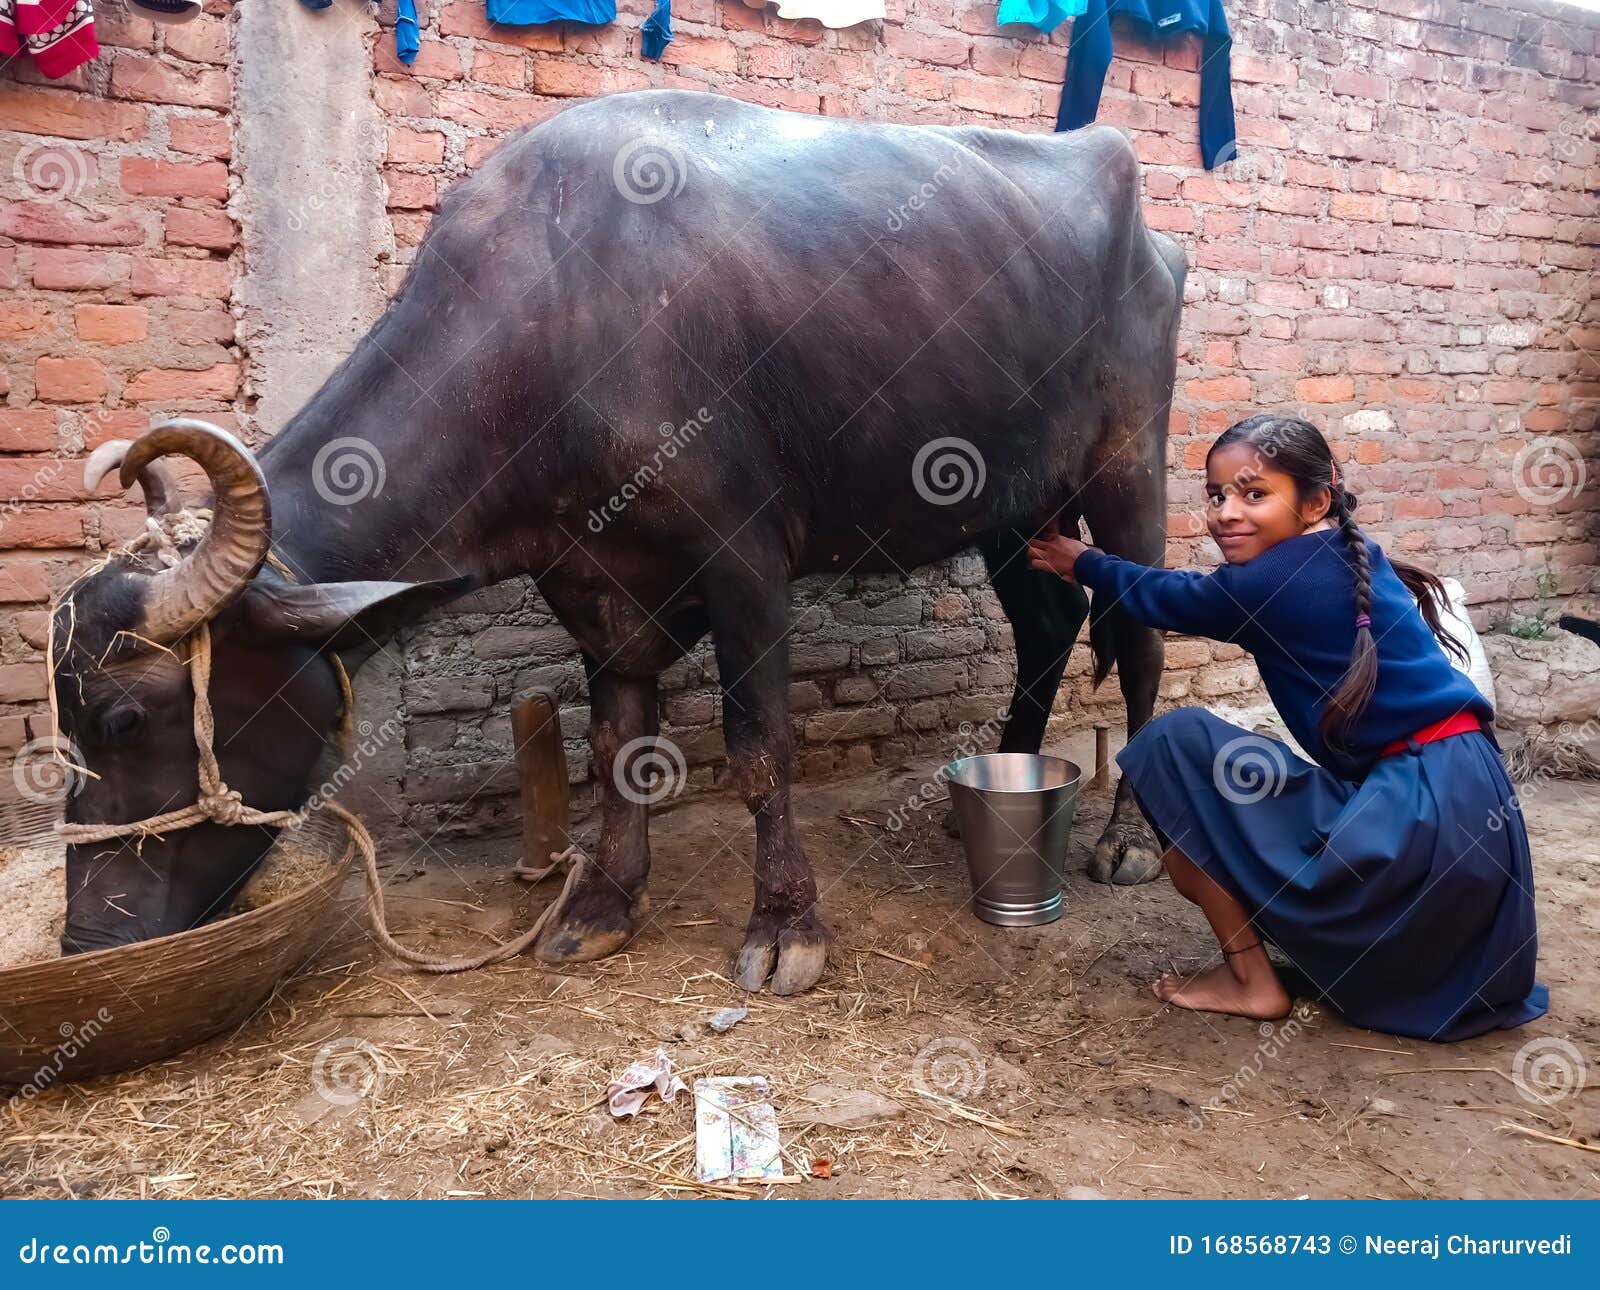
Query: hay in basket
[117, 1009]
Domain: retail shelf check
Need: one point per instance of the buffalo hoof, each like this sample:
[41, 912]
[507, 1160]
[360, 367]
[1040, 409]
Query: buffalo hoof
[1126, 854]
[792, 953]
[578, 939]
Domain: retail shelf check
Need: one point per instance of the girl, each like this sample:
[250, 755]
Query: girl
[1394, 874]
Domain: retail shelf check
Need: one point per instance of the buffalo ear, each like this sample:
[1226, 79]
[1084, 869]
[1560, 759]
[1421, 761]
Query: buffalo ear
[355, 616]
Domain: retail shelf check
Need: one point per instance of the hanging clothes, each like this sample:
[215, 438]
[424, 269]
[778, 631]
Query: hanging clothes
[531, 13]
[407, 39]
[832, 13]
[58, 34]
[656, 34]
[1046, 15]
[1089, 55]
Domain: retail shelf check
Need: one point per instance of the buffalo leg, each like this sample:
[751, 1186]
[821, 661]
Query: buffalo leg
[604, 910]
[1046, 614]
[784, 940]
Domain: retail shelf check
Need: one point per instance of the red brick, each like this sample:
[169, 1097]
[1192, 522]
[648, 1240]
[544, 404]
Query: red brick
[710, 52]
[776, 61]
[577, 80]
[22, 682]
[39, 526]
[397, 96]
[1042, 63]
[950, 51]
[112, 324]
[490, 68]
[487, 112]
[149, 81]
[212, 229]
[1361, 85]
[21, 318]
[59, 222]
[144, 177]
[26, 430]
[1325, 389]
[997, 97]
[410, 192]
[201, 136]
[24, 580]
[63, 270]
[468, 18]
[170, 385]
[212, 279]
[70, 116]
[105, 424]
[1357, 206]
[425, 146]
[435, 61]
[924, 82]
[204, 40]
[69, 380]
[8, 268]
[1221, 389]
[40, 479]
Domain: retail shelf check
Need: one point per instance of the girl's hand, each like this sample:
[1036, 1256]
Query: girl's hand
[1055, 553]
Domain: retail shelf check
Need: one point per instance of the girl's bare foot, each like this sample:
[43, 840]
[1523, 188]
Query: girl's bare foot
[1256, 994]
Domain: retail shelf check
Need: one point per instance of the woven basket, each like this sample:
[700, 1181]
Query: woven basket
[114, 1010]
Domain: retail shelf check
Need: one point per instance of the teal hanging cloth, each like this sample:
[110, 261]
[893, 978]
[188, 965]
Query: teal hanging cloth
[1046, 15]
[532, 13]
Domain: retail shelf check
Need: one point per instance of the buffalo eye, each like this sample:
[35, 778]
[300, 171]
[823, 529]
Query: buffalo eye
[121, 723]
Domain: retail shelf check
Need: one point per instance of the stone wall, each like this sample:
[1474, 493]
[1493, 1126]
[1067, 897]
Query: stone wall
[1404, 251]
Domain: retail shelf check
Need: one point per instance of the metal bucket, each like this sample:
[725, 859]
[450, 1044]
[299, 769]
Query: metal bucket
[1015, 811]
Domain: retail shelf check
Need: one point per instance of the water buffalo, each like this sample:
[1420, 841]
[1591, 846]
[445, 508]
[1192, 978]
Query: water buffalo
[873, 345]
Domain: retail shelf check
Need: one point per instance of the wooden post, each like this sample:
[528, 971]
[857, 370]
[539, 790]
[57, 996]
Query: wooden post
[1102, 754]
[542, 771]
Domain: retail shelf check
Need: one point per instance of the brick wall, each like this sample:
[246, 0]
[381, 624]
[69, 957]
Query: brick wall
[114, 297]
[1404, 252]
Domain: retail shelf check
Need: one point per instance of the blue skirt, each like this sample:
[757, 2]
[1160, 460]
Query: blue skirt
[1406, 899]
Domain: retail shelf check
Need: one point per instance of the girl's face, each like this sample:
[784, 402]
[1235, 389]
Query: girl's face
[1251, 505]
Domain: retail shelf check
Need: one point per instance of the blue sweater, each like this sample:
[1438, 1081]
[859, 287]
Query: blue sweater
[1293, 608]
[1089, 55]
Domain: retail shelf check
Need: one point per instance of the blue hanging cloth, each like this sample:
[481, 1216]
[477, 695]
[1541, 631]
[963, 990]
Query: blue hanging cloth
[407, 40]
[656, 34]
[1089, 55]
[531, 13]
[1046, 15]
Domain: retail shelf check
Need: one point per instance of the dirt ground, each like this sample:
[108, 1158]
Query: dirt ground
[1019, 1062]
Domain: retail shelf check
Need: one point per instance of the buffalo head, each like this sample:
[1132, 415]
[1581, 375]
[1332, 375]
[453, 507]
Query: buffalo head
[121, 637]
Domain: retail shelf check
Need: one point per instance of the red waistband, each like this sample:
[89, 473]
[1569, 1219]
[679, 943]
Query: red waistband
[1460, 724]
